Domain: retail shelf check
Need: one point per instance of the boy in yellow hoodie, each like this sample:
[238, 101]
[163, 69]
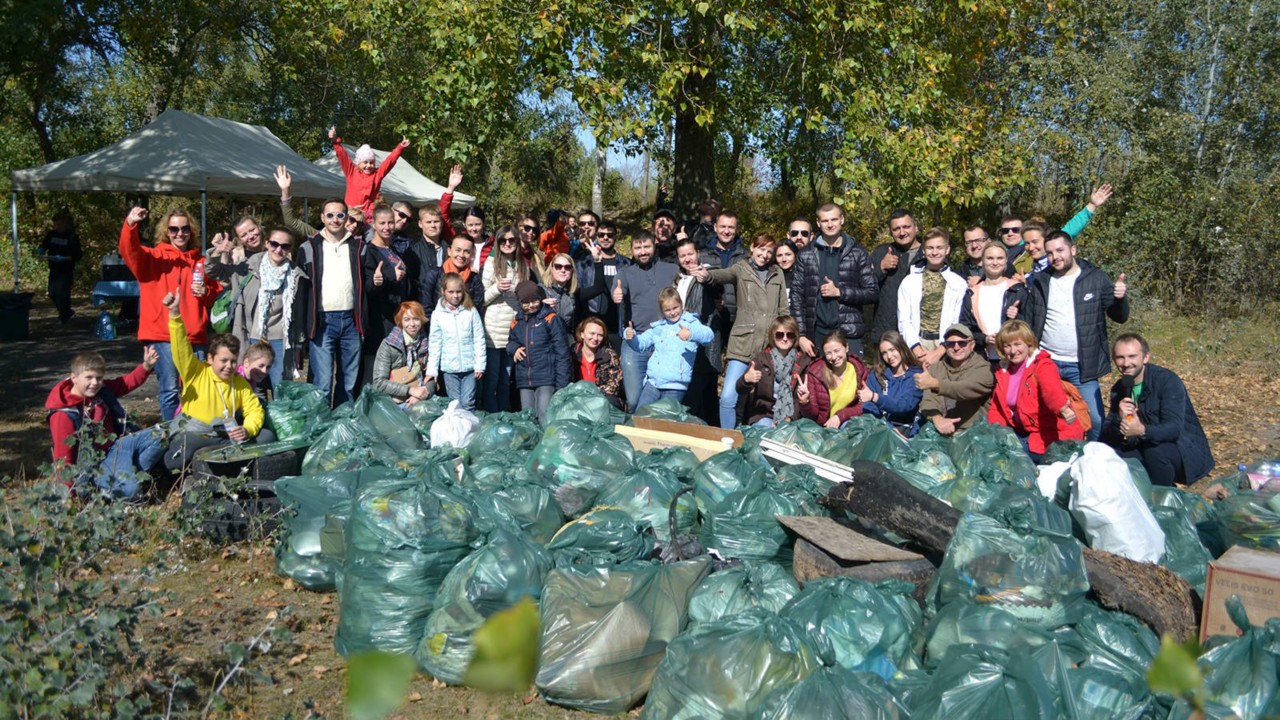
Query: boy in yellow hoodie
[218, 406]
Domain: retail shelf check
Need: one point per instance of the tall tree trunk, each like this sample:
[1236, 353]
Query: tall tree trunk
[597, 183]
[695, 150]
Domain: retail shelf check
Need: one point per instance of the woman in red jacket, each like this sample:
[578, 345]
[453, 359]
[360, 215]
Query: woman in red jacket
[1029, 396]
[174, 264]
[829, 394]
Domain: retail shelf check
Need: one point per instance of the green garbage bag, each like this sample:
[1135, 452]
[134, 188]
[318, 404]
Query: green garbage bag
[678, 460]
[1241, 672]
[803, 434]
[976, 682]
[741, 587]
[994, 453]
[333, 537]
[604, 536]
[726, 668]
[403, 537]
[344, 446]
[834, 693]
[498, 470]
[423, 413]
[582, 459]
[1247, 520]
[1201, 512]
[927, 467]
[504, 433]
[862, 438]
[504, 486]
[1100, 693]
[604, 630]
[646, 494]
[582, 401]
[744, 526]
[966, 623]
[307, 499]
[668, 409]
[1141, 479]
[724, 473]
[802, 484]
[388, 422]
[1184, 554]
[872, 628]
[509, 567]
[1034, 574]
[1115, 640]
[296, 410]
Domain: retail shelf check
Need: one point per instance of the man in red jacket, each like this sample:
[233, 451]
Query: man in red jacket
[87, 407]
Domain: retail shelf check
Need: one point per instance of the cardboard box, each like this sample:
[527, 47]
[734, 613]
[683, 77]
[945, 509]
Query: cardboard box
[1252, 574]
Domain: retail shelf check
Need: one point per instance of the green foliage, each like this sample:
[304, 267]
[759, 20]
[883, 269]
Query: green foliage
[377, 683]
[1174, 671]
[506, 645]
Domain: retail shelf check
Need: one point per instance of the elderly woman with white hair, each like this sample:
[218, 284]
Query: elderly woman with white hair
[365, 175]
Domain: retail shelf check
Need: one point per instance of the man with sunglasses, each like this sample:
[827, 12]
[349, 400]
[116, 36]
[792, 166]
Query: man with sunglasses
[800, 232]
[958, 389]
[605, 260]
[332, 303]
[580, 243]
[1023, 258]
[892, 262]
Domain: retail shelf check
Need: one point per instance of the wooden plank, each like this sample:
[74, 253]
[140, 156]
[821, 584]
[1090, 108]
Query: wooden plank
[843, 543]
[809, 562]
[644, 440]
[691, 430]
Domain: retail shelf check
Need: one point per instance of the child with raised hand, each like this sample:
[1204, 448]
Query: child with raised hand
[365, 175]
[456, 342]
[539, 349]
[218, 405]
[674, 340]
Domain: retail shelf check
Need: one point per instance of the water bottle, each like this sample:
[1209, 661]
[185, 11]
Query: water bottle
[106, 329]
[197, 273]
[229, 423]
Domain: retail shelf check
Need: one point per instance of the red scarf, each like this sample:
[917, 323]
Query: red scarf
[449, 267]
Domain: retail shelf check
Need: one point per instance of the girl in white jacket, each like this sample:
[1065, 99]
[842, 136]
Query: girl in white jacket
[456, 343]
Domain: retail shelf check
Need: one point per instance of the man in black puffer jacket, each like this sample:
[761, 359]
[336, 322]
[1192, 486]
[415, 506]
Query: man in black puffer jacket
[833, 279]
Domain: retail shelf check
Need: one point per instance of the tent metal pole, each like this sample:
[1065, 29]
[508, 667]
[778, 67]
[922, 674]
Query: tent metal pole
[13, 226]
[306, 210]
[204, 218]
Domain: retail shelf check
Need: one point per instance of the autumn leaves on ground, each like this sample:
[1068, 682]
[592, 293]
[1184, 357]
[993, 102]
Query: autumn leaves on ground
[216, 601]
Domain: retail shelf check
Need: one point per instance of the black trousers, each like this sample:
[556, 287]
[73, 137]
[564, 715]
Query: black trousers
[1163, 463]
[60, 282]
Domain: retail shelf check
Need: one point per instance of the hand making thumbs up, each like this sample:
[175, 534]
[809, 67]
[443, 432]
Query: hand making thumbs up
[829, 289]
[617, 291]
[753, 374]
[377, 274]
[1012, 312]
[630, 332]
[684, 333]
[1121, 287]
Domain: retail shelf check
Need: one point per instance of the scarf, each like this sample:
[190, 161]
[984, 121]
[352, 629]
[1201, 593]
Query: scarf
[449, 267]
[275, 281]
[784, 402]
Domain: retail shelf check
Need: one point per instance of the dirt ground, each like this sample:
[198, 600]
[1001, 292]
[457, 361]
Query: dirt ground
[221, 596]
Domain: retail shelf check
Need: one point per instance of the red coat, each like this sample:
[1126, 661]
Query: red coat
[62, 426]
[1040, 399]
[363, 188]
[162, 269]
[818, 408]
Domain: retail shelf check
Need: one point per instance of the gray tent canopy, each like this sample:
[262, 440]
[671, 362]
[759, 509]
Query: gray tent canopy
[404, 183]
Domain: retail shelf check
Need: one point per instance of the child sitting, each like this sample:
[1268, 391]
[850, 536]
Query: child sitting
[398, 369]
[85, 403]
[539, 350]
[365, 175]
[674, 341]
[255, 367]
[456, 348]
[217, 404]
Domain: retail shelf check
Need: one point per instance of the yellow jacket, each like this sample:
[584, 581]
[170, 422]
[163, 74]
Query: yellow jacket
[205, 397]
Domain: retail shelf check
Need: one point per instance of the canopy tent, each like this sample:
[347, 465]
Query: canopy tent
[180, 154]
[404, 183]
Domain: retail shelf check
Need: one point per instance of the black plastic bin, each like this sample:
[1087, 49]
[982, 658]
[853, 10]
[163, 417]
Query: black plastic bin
[15, 316]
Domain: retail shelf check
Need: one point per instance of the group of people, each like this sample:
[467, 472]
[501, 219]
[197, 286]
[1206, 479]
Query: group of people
[759, 331]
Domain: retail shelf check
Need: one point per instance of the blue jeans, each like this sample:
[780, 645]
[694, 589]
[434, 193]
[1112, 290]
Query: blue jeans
[277, 368]
[497, 381]
[340, 339]
[167, 377]
[461, 387]
[634, 365]
[729, 393]
[129, 455]
[1091, 392]
[537, 399]
[650, 395]
[764, 422]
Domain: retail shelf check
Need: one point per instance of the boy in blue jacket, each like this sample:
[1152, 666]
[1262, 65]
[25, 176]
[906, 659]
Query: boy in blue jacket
[539, 350]
[674, 340]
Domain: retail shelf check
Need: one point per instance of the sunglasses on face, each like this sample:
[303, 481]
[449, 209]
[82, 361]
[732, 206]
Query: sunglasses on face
[955, 344]
[798, 233]
[1008, 230]
[784, 335]
[588, 223]
[507, 239]
[403, 214]
[604, 234]
[529, 228]
[277, 246]
[179, 229]
[561, 266]
[338, 215]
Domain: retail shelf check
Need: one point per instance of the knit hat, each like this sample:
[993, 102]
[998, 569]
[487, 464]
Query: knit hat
[365, 154]
[528, 291]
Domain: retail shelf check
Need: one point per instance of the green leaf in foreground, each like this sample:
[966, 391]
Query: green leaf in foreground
[377, 683]
[1174, 671]
[506, 648]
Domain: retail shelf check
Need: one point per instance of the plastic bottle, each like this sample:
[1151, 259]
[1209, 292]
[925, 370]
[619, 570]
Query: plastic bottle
[197, 273]
[106, 329]
[229, 424]
[1263, 475]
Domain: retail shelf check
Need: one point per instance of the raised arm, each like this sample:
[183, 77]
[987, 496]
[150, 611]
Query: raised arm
[130, 246]
[1097, 199]
[285, 181]
[344, 160]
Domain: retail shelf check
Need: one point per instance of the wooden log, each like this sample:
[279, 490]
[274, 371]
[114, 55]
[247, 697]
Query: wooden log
[1149, 592]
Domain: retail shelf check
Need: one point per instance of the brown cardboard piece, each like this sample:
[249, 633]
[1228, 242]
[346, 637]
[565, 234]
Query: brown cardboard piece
[1252, 574]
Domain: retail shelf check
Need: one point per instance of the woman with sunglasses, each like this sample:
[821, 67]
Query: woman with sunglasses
[503, 270]
[767, 388]
[891, 392]
[262, 300]
[596, 362]
[565, 296]
[173, 265]
[829, 394]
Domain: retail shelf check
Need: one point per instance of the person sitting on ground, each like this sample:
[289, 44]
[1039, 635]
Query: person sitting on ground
[84, 404]
[829, 395]
[456, 345]
[399, 370]
[930, 297]
[1029, 396]
[891, 392]
[991, 300]
[672, 344]
[539, 350]
[766, 391]
[365, 175]
[1151, 417]
[956, 390]
[218, 406]
[596, 362]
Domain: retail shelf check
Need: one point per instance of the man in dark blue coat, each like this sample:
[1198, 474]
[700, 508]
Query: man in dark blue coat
[1151, 417]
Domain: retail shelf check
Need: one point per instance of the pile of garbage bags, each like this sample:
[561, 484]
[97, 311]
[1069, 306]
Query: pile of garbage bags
[666, 580]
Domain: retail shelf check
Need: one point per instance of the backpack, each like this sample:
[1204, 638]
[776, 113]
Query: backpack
[222, 313]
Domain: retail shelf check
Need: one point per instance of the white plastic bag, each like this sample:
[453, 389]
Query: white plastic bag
[1047, 478]
[454, 427]
[1108, 506]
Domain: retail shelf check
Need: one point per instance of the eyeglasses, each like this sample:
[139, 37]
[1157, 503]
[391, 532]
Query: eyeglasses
[976, 241]
[955, 344]
[784, 335]
[277, 246]
[561, 266]
[799, 233]
[1008, 230]
[529, 228]
[508, 239]
[587, 223]
[338, 215]
[179, 229]
[404, 215]
[606, 234]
